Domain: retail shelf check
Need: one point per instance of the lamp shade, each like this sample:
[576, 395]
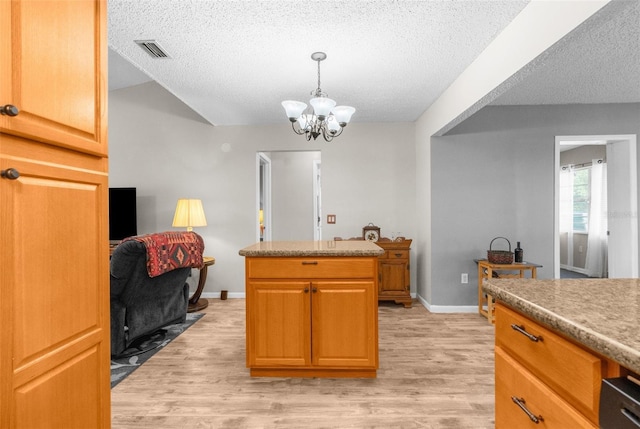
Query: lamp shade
[343, 114]
[322, 106]
[189, 213]
[332, 125]
[294, 109]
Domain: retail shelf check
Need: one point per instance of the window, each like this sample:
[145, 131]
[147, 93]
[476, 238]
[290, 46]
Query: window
[575, 199]
[581, 199]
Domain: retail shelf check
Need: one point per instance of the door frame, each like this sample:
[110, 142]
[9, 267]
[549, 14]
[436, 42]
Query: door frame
[584, 140]
[317, 200]
[263, 192]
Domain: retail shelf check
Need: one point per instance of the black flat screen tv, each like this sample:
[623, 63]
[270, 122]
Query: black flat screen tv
[123, 220]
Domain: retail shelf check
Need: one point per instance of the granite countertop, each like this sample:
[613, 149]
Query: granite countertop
[312, 248]
[602, 314]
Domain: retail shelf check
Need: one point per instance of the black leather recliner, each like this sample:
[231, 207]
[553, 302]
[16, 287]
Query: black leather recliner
[140, 304]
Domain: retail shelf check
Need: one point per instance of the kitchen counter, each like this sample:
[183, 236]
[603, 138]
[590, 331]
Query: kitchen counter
[601, 314]
[312, 248]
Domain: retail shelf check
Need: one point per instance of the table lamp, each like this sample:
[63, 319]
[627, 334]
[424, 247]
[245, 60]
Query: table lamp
[189, 213]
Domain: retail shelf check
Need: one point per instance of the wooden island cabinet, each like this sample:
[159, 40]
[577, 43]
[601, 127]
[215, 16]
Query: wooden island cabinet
[311, 309]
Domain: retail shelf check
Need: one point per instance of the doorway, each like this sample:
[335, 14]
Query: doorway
[288, 195]
[263, 197]
[618, 235]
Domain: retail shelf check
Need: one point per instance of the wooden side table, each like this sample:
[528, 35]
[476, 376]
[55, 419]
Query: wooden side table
[394, 275]
[487, 270]
[195, 302]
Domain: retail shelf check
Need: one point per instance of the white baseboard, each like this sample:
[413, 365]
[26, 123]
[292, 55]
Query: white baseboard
[216, 295]
[448, 308]
[422, 301]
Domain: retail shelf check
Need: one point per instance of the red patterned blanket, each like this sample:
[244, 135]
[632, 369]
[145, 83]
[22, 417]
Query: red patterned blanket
[169, 250]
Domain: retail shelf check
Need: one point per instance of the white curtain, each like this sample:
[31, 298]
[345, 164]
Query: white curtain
[596, 258]
[566, 208]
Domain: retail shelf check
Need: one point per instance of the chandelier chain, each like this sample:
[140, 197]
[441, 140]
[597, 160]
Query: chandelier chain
[319, 90]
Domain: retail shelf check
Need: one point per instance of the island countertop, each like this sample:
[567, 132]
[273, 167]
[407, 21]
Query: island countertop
[602, 314]
[312, 248]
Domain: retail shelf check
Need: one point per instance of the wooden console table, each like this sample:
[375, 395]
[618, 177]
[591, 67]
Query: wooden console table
[487, 270]
[195, 302]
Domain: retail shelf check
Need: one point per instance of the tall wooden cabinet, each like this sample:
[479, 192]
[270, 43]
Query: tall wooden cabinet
[394, 272]
[312, 317]
[54, 281]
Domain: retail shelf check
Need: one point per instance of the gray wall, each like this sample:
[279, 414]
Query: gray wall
[493, 175]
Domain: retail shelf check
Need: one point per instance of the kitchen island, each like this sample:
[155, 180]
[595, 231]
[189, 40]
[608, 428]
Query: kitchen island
[556, 340]
[311, 308]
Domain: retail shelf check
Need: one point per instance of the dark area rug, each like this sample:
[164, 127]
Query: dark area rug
[139, 352]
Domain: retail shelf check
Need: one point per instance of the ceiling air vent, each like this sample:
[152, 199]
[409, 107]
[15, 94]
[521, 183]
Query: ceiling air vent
[152, 48]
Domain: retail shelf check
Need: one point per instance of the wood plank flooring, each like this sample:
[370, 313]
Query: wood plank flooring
[436, 371]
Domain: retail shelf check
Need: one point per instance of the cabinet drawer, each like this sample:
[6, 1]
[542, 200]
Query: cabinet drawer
[570, 370]
[514, 381]
[311, 268]
[396, 254]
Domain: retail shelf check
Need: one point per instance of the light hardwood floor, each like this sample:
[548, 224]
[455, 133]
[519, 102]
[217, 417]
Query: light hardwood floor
[436, 371]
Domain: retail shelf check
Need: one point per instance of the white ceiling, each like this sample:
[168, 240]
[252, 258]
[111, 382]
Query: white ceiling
[233, 62]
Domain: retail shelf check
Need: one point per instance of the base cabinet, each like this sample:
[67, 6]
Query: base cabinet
[394, 272]
[313, 325]
[543, 377]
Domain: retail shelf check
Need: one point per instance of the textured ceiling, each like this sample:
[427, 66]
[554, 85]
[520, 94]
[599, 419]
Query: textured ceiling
[599, 65]
[233, 62]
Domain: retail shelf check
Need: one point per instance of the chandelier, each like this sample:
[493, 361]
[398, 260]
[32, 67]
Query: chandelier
[323, 117]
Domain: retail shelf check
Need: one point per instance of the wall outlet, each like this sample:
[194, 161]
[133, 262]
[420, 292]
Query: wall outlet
[464, 278]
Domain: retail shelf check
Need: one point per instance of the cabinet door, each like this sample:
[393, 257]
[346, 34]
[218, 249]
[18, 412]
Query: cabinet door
[278, 324]
[394, 278]
[345, 324]
[53, 57]
[54, 295]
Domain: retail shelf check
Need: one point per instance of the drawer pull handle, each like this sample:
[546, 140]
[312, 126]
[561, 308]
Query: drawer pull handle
[520, 403]
[398, 255]
[309, 262]
[525, 333]
[631, 416]
[306, 290]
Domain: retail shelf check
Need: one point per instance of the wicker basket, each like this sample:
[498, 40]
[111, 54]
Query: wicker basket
[500, 256]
